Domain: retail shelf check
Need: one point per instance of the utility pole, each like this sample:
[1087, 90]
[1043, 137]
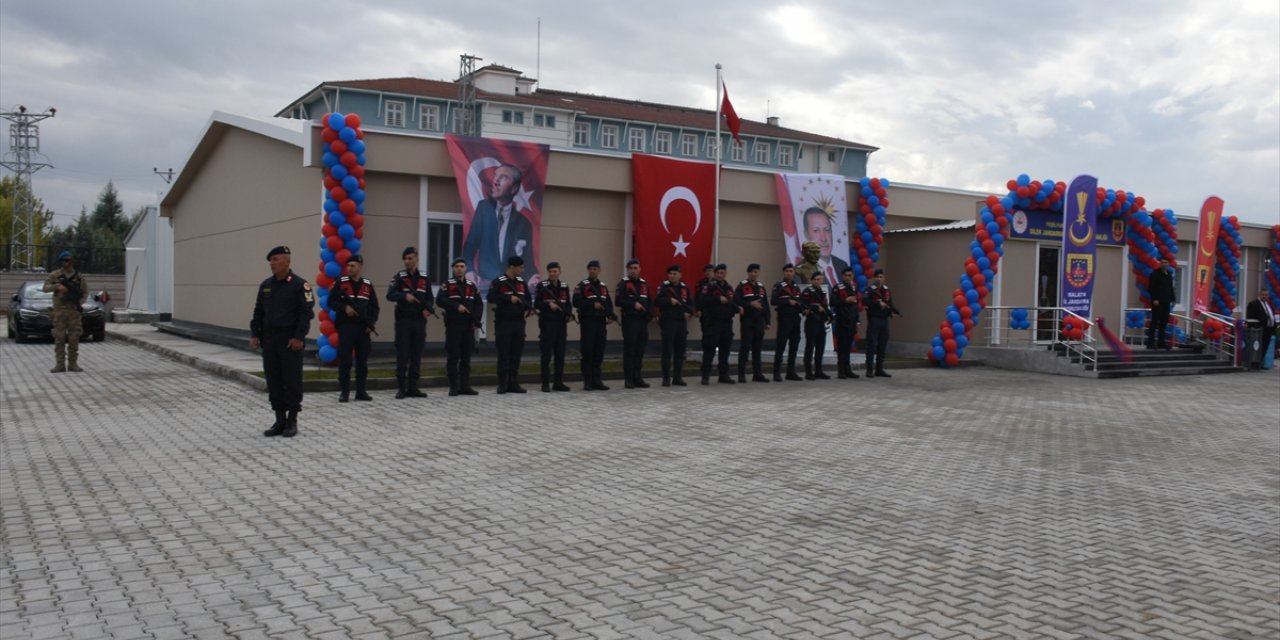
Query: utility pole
[24, 145]
[464, 115]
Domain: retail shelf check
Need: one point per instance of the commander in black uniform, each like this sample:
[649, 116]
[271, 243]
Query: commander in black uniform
[281, 319]
[754, 321]
[509, 294]
[675, 306]
[715, 299]
[632, 298]
[845, 304]
[786, 297]
[459, 301]
[355, 311]
[595, 308]
[553, 303]
[410, 290]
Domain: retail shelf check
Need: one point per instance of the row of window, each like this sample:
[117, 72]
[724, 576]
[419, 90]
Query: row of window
[637, 139]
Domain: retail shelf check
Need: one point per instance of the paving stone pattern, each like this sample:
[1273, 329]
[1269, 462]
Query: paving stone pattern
[140, 501]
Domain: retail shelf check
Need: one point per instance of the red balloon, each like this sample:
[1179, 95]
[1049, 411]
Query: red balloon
[330, 182]
[334, 243]
[993, 201]
[328, 135]
[323, 280]
[341, 257]
[355, 220]
[983, 292]
[983, 235]
[326, 327]
[347, 207]
[352, 120]
[1023, 192]
[968, 325]
[947, 333]
[966, 312]
[327, 230]
[884, 202]
[875, 183]
[337, 147]
[360, 179]
[349, 159]
[358, 172]
[949, 345]
[323, 315]
[1012, 184]
[952, 359]
[338, 194]
[978, 279]
[360, 233]
[320, 267]
[972, 268]
[997, 210]
[960, 301]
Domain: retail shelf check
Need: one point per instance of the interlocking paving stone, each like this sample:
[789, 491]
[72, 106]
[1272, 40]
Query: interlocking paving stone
[139, 499]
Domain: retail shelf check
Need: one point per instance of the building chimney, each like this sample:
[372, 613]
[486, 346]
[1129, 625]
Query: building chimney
[772, 121]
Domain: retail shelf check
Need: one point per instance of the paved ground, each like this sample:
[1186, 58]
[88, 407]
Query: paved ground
[140, 501]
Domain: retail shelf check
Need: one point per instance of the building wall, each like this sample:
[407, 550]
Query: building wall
[922, 270]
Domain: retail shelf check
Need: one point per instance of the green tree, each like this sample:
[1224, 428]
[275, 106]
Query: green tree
[42, 220]
[108, 213]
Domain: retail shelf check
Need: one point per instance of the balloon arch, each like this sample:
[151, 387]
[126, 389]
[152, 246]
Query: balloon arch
[1149, 236]
[343, 227]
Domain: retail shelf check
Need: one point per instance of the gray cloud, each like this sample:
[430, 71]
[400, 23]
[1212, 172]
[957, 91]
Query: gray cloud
[1171, 100]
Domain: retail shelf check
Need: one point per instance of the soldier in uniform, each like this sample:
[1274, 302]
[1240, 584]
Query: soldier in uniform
[718, 308]
[459, 300]
[595, 308]
[281, 318]
[675, 306]
[632, 298]
[708, 275]
[786, 297]
[410, 290]
[553, 301]
[69, 292]
[754, 321]
[879, 305]
[510, 296]
[816, 315]
[355, 310]
[845, 304]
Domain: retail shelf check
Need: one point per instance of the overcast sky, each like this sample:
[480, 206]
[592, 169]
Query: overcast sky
[1172, 99]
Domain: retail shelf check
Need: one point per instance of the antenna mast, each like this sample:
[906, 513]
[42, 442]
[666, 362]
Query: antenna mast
[24, 143]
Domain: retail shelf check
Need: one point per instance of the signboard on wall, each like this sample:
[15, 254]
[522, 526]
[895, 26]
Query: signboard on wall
[1047, 225]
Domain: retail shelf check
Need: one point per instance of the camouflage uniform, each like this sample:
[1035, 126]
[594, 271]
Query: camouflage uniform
[66, 317]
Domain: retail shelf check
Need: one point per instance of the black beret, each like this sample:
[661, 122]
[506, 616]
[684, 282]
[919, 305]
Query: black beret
[515, 261]
[721, 267]
[458, 261]
[278, 250]
[878, 272]
[632, 261]
[356, 258]
[846, 270]
[788, 266]
[553, 265]
[593, 263]
[711, 267]
[815, 274]
[753, 267]
[674, 267]
[407, 251]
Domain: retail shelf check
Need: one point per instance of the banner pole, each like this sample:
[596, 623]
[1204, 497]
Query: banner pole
[715, 238]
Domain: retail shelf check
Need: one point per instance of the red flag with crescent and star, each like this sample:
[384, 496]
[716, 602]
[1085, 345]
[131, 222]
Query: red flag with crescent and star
[674, 214]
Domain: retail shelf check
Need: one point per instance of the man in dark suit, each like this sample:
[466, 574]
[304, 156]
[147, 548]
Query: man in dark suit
[1160, 288]
[1261, 314]
[499, 230]
[817, 228]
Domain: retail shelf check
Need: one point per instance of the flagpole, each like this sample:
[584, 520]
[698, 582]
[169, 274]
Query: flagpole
[715, 238]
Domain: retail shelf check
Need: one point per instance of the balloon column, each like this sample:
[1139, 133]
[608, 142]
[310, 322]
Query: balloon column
[343, 227]
[1144, 255]
[1273, 273]
[983, 263]
[1222, 300]
[1164, 225]
[868, 233]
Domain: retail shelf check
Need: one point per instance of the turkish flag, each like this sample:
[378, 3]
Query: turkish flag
[730, 116]
[674, 214]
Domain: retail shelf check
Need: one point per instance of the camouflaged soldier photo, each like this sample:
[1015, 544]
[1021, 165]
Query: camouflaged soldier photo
[69, 292]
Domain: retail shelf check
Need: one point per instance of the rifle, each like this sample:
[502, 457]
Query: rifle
[544, 293]
[671, 295]
[73, 293]
[368, 324]
[421, 304]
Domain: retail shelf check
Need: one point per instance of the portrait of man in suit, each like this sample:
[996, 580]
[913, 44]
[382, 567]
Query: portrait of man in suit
[499, 230]
[817, 229]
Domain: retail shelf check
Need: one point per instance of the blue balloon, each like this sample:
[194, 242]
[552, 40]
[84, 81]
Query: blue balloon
[962, 341]
[884, 183]
[353, 245]
[866, 236]
[347, 135]
[346, 232]
[322, 341]
[957, 328]
[330, 205]
[987, 217]
[966, 283]
[938, 352]
[997, 238]
[337, 121]
[328, 354]
[337, 219]
[873, 200]
[937, 341]
[867, 192]
[971, 295]
[1006, 202]
[862, 281]
[984, 263]
[332, 269]
[350, 183]
[338, 172]
[324, 242]
[329, 159]
[326, 254]
[357, 147]
[953, 316]
[873, 246]
[357, 195]
[1023, 180]
[865, 181]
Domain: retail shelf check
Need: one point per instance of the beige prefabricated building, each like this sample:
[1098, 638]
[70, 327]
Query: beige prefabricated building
[249, 185]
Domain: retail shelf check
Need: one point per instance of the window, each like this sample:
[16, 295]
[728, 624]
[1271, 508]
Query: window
[609, 136]
[688, 144]
[444, 241]
[429, 117]
[544, 120]
[662, 143]
[712, 147]
[738, 151]
[635, 140]
[582, 134]
[394, 114]
[512, 117]
[762, 153]
[831, 156]
[785, 155]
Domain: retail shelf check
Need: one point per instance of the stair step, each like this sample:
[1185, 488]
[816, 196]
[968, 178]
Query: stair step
[1166, 371]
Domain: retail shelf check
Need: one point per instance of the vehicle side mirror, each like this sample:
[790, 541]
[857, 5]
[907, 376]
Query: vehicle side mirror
[15, 298]
[102, 296]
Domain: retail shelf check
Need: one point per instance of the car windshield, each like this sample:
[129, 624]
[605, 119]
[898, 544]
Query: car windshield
[36, 292]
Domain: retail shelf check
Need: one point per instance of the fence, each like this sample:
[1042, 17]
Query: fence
[44, 258]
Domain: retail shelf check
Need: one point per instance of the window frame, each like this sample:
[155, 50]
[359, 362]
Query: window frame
[396, 106]
[662, 142]
[434, 110]
[761, 152]
[689, 144]
[636, 140]
[609, 134]
[581, 134]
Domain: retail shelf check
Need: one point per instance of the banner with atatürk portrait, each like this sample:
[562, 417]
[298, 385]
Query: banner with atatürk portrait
[501, 184]
[1079, 245]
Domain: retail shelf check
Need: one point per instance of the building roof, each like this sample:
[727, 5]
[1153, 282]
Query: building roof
[603, 107]
[958, 224]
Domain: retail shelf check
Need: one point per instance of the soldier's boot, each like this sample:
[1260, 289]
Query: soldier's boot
[277, 428]
[818, 373]
[598, 384]
[638, 378]
[361, 394]
[513, 383]
[843, 371]
[546, 384]
[853, 374]
[706, 379]
[344, 396]
[59, 358]
[759, 377]
[777, 371]
[464, 379]
[791, 372]
[881, 373]
[402, 391]
[502, 382]
[412, 390]
[453, 385]
[871, 367]
[58, 368]
[678, 378]
[808, 371]
[628, 375]
[290, 424]
[559, 384]
[666, 377]
[73, 359]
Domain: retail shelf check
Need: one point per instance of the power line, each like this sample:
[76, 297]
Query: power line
[24, 143]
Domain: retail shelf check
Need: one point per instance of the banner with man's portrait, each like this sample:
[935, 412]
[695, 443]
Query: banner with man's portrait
[500, 183]
[813, 209]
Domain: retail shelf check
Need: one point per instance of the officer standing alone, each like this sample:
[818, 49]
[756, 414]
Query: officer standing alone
[410, 290]
[281, 319]
[509, 294]
[355, 305]
[69, 292]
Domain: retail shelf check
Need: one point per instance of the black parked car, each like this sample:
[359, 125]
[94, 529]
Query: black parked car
[29, 314]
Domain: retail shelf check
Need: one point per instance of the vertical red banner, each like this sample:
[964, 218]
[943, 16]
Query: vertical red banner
[1206, 252]
[675, 220]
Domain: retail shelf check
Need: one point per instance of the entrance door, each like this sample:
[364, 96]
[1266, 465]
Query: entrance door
[1047, 283]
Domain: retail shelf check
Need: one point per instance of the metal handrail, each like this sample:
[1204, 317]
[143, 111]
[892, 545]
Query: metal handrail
[1001, 334]
[1223, 348]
